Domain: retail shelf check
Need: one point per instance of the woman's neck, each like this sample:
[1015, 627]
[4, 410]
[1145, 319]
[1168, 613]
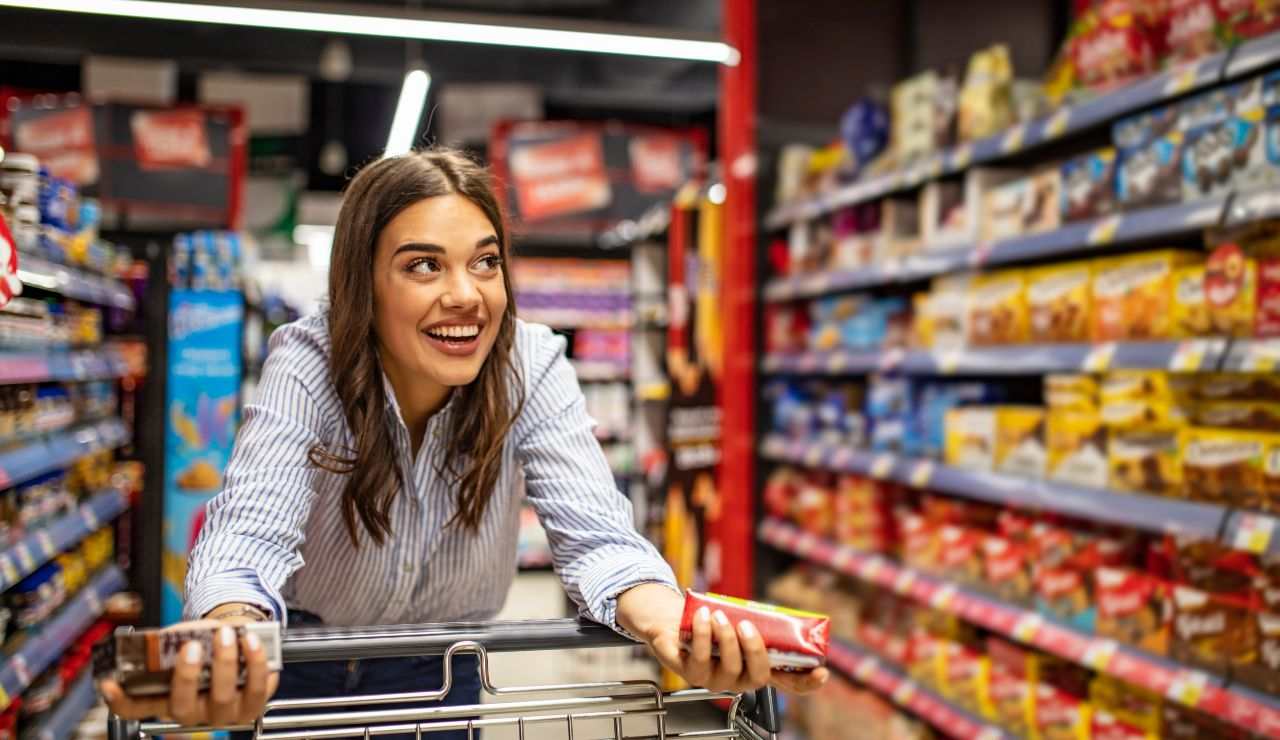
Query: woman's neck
[419, 399]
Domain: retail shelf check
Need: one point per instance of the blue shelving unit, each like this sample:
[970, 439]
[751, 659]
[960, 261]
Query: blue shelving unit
[57, 451]
[41, 546]
[60, 365]
[74, 283]
[1149, 513]
[47, 644]
[75, 704]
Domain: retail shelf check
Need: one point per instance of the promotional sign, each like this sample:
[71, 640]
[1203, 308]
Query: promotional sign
[201, 419]
[582, 178]
[152, 167]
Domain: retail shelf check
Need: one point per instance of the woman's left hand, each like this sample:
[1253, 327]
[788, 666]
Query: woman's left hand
[652, 612]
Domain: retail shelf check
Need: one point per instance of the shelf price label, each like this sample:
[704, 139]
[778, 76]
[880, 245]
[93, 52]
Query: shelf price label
[1261, 356]
[891, 360]
[948, 361]
[1188, 356]
[1099, 654]
[1013, 139]
[94, 601]
[1181, 80]
[902, 584]
[1188, 687]
[943, 597]
[813, 456]
[843, 559]
[962, 156]
[1104, 232]
[6, 568]
[837, 361]
[1099, 358]
[936, 165]
[806, 544]
[47, 550]
[979, 255]
[905, 692]
[882, 467]
[869, 569]
[1027, 627]
[921, 474]
[1254, 533]
[27, 562]
[841, 458]
[21, 669]
[1057, 124]
[990, 733]
[866, 667]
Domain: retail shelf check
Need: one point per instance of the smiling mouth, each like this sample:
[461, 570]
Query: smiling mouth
[460, 335]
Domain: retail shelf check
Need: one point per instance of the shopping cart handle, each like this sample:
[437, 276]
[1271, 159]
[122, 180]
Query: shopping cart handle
[307, 644]
[761, 708]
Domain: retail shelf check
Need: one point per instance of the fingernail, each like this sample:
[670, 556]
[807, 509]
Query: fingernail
[192, 652]
[721, 619]
[252, 642]
[227, 636]
[704, 614]
[748, 629]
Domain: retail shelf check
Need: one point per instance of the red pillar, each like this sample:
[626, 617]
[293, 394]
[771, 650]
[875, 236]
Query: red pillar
[737, 143]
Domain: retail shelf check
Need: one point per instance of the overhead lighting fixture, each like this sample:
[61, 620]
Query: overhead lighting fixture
[413, 96]
[400, 28]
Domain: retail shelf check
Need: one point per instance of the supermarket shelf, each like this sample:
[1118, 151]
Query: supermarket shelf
[1149, 513]
[1018, 139]
[38, 548]
[41, 649]
[66, 717]
[1074, 238]
[1253, 355]
[1188, 686]
[74, 283]
[889, 680]
[45, 455]
[1189, 355]
[31, 366]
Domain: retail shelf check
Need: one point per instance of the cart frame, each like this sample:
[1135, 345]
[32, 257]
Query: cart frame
[750, 716]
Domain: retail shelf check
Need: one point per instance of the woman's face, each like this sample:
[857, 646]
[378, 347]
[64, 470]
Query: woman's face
[438, 291]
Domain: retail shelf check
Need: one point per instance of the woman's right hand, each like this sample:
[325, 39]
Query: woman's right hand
[225, 703]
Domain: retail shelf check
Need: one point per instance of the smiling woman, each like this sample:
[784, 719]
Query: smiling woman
[377, 477]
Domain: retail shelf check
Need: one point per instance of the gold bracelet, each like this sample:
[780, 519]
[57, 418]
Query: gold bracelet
[244, 610]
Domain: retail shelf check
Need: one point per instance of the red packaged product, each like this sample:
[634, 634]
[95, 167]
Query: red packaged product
[1191, 30]
[796, 640]
[1115, 43]
[1267, 321]
[1247, 19]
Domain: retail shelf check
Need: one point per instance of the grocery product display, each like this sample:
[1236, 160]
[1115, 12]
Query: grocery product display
[67, 391]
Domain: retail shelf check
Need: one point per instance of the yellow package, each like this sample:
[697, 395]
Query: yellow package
[1237, 387]
[1071, 392]
[1143, 412]
[960, 672]
[948, 312]
[1020, 441]
[1133, 295]
[1053, 712]
[1131, 385]
[1229, 467]
[998, 309]
[1259, 416]
[1190, 316]
[1147, 460]
[922, 320]
[970, 437]
[1231, 291]
[1076, 448]
[1131, 704]
[1060, 303]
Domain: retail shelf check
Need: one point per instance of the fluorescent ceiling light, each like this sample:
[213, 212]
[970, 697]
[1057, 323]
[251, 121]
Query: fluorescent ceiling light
[413, 96]
[400, 28]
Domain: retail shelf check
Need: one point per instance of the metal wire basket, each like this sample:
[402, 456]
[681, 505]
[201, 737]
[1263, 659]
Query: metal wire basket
[623, 710]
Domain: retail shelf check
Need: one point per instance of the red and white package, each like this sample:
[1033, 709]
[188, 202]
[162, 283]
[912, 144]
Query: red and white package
[796, 640]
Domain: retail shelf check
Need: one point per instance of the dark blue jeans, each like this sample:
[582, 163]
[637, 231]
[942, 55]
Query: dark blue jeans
[379, 676]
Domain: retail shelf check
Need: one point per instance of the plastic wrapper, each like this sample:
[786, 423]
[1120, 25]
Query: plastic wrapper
[142, 661]
[796, 640]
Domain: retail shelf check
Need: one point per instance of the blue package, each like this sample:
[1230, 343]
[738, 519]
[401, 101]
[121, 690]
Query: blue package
[1139, 130]
[1151, 174]
[888, 433]
[887, 397]
[1088, 189]
[933, 401]
[1206, 109]
[1217, 157]
[864, 129]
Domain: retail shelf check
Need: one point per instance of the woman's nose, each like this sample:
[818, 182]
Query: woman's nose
[461, 291]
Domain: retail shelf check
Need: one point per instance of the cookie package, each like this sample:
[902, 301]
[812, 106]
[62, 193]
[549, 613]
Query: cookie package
[796, 640]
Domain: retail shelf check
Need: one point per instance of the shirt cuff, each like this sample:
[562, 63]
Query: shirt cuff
[241, 586]
[610, 578]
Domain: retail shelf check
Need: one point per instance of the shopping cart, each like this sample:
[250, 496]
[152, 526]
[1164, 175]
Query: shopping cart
[626, 710]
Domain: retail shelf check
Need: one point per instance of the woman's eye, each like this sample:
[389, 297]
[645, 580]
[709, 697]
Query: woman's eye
[423, 266]
[489, 262]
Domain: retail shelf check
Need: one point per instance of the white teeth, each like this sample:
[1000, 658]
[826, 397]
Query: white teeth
[455, 332]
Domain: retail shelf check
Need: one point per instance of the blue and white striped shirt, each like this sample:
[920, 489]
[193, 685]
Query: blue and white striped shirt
[275, 535]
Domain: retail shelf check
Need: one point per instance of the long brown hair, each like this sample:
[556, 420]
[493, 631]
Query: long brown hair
[473, 454]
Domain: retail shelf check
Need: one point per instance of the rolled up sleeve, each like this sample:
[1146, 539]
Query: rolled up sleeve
[595, 547]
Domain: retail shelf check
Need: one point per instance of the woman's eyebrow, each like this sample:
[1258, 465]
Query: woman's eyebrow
[489, 241]
[419, 247]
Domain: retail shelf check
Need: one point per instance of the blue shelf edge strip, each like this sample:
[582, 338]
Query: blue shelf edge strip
[60, 365]
[38, 548]
[1206, 354]
[75, 704]
[1073, 238]
[1149, 513]
[74, 283]
[56, 451]
[860, 653]
[1065, 122]
[44, 647]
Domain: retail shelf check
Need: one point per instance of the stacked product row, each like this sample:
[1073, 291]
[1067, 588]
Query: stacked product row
[1198, 603]
[1027, 692]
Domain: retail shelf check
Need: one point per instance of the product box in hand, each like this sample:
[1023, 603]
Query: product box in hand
[1088, 185]
[1133, 296]
[796, 640]
[142, 661]
[1024, 206]
[1060, 303]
